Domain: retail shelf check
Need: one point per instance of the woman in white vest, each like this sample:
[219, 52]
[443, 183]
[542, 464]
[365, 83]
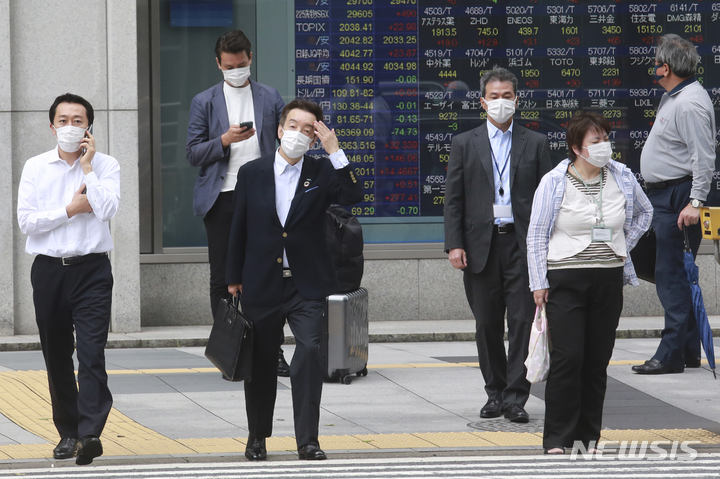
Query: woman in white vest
[587, 214]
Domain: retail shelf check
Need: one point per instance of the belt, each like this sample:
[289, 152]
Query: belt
[504, 229]
[73, 260]
[661, 185]
[287, 273]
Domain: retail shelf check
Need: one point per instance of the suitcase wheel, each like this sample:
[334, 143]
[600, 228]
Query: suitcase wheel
[346, 379]
[363, 372]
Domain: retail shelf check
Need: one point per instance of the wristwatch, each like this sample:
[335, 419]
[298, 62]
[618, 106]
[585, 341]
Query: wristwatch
[695, 203]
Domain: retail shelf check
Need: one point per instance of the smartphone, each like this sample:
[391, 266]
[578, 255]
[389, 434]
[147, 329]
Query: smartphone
[89, 128]
[247, 124]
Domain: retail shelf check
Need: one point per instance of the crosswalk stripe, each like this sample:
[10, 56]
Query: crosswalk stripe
[506, 467]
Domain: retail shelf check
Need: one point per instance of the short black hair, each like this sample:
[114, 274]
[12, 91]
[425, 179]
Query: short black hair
[72, 98]
[305, 105]
[579, 126]
[232, 42]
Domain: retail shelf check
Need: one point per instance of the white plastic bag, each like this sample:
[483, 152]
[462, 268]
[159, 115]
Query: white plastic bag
[538, 360]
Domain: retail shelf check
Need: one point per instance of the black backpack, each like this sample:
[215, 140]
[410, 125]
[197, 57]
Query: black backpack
[345, 241]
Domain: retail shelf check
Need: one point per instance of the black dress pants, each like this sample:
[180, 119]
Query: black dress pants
[305, 318]
[583, 311]
[75, 297]
[502, 286]
[217, 226]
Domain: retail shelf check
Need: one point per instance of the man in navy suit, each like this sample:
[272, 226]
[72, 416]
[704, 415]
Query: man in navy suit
[220, 146]
[278, 258]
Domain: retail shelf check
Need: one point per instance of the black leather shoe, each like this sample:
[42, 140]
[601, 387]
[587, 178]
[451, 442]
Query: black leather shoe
[491, 409]
[311, 452]
[88, 448]
[256, 450]
[65, 448]
[654, 366]
[283, 366]
[692, 362]
[515, 413]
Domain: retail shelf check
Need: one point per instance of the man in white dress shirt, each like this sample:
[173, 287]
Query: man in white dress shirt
[66, 198]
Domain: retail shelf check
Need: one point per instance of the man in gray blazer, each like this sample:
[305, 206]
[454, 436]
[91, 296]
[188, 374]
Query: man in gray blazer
[220, 145]
[492, 175]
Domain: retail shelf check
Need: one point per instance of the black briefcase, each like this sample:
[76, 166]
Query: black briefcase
[230, 344]
[643, 256]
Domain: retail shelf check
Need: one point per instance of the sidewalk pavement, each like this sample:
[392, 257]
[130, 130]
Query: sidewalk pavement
[419, 399]
[380, 332]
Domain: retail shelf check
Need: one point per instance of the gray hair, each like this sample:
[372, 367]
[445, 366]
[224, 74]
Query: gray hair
[498, 74]
[680, 55]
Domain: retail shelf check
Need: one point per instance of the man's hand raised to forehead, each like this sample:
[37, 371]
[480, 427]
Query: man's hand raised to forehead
[327, 137]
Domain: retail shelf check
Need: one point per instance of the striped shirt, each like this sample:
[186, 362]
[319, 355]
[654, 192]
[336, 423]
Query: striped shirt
[546, 205]
[597, 254]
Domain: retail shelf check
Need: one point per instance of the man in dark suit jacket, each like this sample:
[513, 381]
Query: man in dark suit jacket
[278, 258]
[219, 145]
[492, 175]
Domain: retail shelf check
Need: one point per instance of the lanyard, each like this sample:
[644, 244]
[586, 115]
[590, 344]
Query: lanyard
[497, 168]
[598, 204]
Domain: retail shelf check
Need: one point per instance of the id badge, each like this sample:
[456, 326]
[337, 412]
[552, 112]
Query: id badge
[601, 234]
[502, 211]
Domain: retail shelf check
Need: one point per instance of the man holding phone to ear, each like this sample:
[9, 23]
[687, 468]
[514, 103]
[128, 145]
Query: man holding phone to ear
[66, 198]
[230, 124]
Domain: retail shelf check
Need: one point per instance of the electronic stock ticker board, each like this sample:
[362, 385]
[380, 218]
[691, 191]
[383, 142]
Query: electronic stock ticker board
[397, 79]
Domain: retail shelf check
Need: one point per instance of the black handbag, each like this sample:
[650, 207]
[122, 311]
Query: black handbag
[230, 345]
[643, 256]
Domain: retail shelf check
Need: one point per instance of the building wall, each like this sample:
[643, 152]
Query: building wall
[50, 47]
[428, 289]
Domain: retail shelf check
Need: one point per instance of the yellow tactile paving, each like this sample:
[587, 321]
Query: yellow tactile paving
[511, 438]
[630, 435]
[478, 439]
[705, 437]
[454, 439]
[24, 399]
[345, 443]
[395, 441]
[280, 444]
[210, 446]
[27, 451]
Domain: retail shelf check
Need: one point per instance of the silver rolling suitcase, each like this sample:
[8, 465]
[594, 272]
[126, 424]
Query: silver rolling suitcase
[346, 348]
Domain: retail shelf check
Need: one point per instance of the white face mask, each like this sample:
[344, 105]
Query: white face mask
[69, 137]
[294, 143]
[600, 154]
[237, 76]
[500, 110]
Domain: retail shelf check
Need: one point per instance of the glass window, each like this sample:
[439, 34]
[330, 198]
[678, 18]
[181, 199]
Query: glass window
[188, 31]
[398, 80]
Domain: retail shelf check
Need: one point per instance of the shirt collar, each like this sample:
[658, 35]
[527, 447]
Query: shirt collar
[280, 165]
[494, 130]
[681, 86]
[54, 155]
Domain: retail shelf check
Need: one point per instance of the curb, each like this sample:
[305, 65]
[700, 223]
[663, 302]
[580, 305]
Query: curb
[374, 338]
